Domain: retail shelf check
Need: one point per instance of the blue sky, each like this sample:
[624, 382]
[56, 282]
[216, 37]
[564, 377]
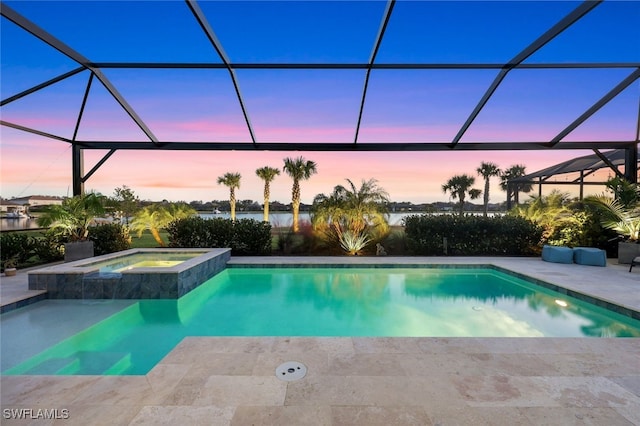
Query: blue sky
[308, 105]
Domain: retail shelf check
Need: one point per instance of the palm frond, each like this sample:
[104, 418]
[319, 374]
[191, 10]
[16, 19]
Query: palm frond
[619, 218]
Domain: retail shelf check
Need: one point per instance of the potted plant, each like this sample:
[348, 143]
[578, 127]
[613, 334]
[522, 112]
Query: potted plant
[625, 220]
[10, 266]
[72, 220]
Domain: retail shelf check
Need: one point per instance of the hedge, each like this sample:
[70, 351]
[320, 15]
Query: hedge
[17, 246]
[471, 235]
[243, 236]
[29, 249]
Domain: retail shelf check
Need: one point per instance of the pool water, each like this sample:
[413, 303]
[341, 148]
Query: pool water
[403, 302]
[142, 260]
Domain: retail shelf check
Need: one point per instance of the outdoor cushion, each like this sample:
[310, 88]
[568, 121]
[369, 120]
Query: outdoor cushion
[557, 254]
[589, 256]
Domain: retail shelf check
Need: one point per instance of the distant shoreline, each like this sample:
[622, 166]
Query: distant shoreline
[278, 220]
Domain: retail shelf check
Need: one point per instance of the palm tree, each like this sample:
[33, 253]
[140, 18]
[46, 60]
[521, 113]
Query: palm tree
[350, 214]
[627, 193]
[157, 216]
[486, 170]
[298, 169]
[267, 174]
[551, 212]
[232, 180]
[74, 216]
[458, 187]
[513, 172]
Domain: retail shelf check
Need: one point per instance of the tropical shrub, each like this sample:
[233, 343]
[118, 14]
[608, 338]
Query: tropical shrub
[353, 242]
[627, 193]
[471, 235]
[567, 222]
[351, 217]
[622, 219]
[109, 238]
[584, 229]
[552, 212]
[73, 218]
[158, 216]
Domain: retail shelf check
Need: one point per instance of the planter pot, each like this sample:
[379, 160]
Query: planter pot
[78, 250]
[10, 272]
[627, 252]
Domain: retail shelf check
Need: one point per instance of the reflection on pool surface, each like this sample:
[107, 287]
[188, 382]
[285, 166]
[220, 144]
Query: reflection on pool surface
[472, 302]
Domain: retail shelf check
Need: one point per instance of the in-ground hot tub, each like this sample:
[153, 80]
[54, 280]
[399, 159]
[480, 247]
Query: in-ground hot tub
[131, 274]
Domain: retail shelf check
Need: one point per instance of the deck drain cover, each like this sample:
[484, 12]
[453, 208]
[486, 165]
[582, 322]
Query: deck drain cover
[290, 371]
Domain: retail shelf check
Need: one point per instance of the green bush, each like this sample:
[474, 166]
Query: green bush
[38, 248]
[109, 238]
[199, 232]
[471, 235]
[584, 229]
[15, 245]
[251, 237]
[48, 248]
[244, 236]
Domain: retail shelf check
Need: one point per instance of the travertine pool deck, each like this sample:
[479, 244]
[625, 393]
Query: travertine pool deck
[370, 381]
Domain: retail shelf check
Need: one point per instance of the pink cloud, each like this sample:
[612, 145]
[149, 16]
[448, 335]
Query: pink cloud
[37, 165]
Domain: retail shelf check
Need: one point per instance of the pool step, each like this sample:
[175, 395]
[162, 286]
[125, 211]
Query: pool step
[88, 362]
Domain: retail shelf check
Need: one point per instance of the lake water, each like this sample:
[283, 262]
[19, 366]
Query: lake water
[277, 219]
[17, 224]
[285, 219]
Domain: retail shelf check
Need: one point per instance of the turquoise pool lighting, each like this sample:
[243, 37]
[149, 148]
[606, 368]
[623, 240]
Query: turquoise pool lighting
[402, 302]
[142, 260]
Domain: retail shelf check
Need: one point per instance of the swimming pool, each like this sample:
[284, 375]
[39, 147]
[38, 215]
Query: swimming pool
[470, 302]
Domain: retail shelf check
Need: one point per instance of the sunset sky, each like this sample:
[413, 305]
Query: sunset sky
[307, 105]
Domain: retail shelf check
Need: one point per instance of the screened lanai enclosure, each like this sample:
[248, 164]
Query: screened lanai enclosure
[194, 75]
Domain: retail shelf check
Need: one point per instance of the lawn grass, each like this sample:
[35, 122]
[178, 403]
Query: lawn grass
[146, 240]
